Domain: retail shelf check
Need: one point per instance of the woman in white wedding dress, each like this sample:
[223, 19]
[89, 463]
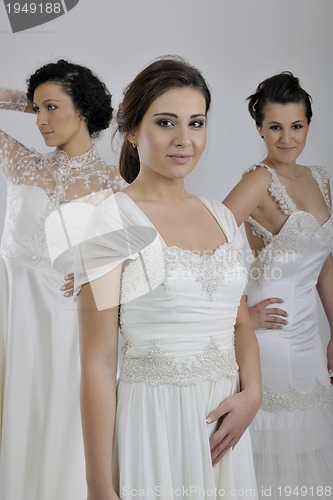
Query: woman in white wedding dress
[287, 209]
[41, 450]
[178, 259]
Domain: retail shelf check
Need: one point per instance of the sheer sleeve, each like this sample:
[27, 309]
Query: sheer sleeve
[110, 238]
[14, 100]
[17, 161]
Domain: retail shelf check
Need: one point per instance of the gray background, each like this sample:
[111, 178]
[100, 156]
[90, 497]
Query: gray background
[236, 43]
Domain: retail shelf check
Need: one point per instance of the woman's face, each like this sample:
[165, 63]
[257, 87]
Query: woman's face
[284, 129]
[59, 123]
[172, 134]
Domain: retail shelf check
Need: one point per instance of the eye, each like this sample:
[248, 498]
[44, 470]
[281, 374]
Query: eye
[197, 123]
[165, 123]
[35, 108]
[298, 126]
[51, 107]
[275, 127]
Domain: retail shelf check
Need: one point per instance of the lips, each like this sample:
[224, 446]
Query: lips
[180, 159]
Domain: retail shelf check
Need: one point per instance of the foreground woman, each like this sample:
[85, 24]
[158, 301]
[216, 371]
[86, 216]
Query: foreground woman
[174, 262]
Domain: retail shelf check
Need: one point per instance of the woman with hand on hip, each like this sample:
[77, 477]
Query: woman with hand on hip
[41, 452]
[286, 208]
[181, 311]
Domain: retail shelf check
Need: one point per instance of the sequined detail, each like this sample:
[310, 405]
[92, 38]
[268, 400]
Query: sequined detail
[155, 368]
[208, 269]
[293, 400]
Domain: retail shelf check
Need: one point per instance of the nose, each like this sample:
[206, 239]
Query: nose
[183, 138]
[285, 136]
[41, 118]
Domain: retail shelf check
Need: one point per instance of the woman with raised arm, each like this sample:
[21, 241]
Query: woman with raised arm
[178, 264]
[41, 452]
[286, 208]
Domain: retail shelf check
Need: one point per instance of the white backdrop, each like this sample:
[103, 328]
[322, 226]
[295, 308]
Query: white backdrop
[236, 44]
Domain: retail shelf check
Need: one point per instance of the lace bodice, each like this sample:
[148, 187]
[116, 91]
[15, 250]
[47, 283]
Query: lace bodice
[38, 183]
[288, 239]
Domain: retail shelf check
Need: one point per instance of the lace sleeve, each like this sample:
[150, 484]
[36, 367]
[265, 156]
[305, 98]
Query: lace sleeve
[14, 100]
[17, 161]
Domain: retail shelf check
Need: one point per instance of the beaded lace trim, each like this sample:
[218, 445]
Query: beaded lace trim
[156, 368]
[293, 400]
[209, 269]
[285, 242]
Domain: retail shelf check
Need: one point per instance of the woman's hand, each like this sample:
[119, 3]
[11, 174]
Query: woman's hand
[234, 415]
[268, 317]
[68, 288]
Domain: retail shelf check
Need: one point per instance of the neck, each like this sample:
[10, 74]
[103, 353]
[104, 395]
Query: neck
[286, 169]
[77, 147]
[158, 188]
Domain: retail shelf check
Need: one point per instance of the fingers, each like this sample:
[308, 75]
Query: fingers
[219, 412]
[271, 300]
[68, 287]
[222, 448]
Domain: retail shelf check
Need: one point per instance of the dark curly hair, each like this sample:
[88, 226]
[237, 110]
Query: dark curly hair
[163, 74]
[89, 95]
[283, 88]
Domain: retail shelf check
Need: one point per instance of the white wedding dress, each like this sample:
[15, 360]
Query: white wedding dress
[292, 433]
[177, 316]
[41, 451]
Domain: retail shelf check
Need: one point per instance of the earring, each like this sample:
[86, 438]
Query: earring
[262, 137]
[133, 145]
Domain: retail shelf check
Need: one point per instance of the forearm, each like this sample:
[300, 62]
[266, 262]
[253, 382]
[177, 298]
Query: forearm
[15, 100]
[99, 355]
[98, 404]
[247, 355]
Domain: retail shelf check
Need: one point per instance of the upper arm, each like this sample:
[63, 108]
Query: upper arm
[248, 194]
[98, 332]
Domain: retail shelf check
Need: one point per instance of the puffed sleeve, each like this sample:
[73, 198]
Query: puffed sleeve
[108, 239]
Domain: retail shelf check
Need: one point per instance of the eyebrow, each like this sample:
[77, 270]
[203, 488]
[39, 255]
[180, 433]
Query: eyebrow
[173, 115]
[293, 123]
[48, 100]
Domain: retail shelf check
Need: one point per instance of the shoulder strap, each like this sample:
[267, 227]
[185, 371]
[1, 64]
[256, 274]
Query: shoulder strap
[321, 176]
[277, 190]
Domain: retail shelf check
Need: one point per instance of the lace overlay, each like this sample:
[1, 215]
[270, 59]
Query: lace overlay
[155, 368]
[38, 184]
[293, 400]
